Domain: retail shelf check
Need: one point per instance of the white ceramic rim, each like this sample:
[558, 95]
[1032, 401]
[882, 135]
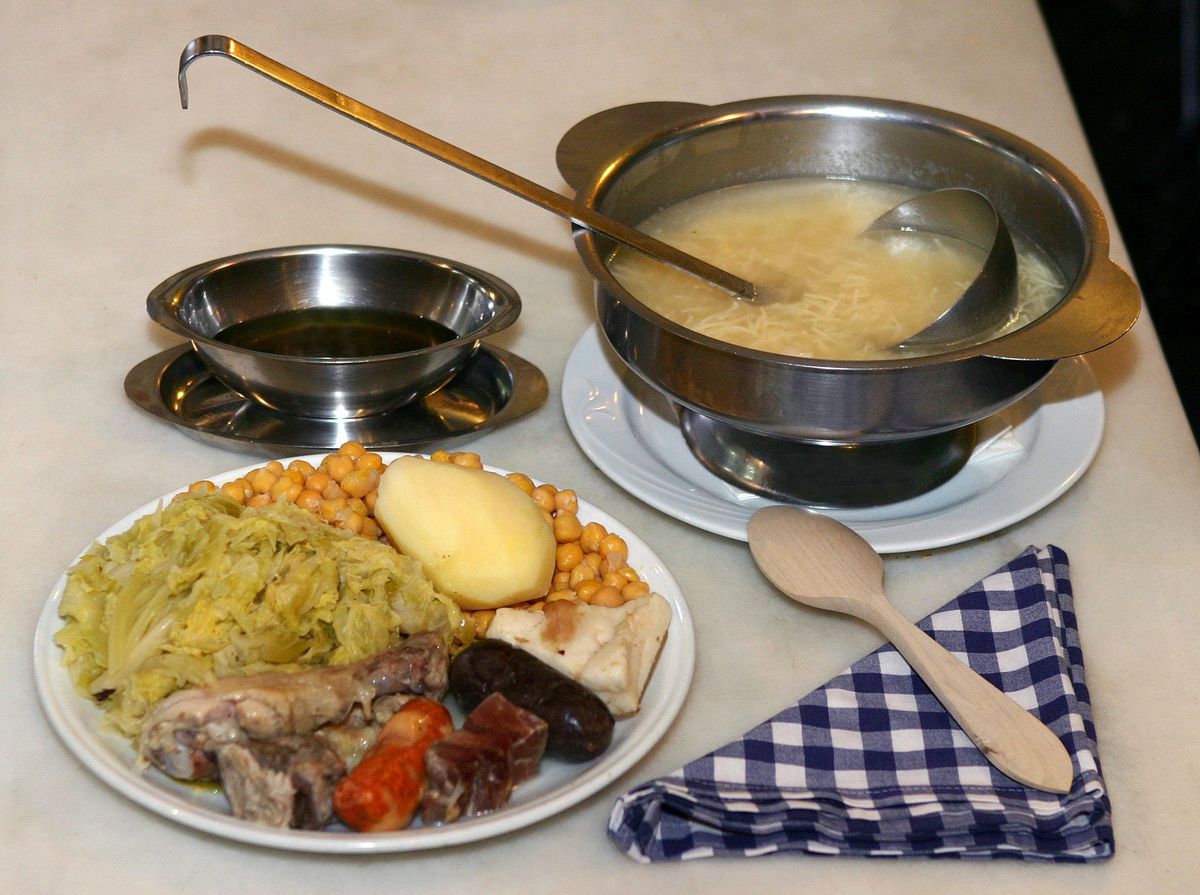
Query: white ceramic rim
[623, 427]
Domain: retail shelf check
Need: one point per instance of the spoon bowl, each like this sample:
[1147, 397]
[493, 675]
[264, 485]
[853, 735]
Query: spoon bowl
[819, 562]
[991, 298]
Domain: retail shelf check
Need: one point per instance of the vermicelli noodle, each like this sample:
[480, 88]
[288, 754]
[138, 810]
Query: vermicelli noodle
[831, 291]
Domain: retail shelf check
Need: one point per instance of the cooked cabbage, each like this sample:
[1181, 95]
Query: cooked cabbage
[203, 588]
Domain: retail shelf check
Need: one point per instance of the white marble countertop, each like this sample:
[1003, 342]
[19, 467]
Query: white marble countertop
[108, 187]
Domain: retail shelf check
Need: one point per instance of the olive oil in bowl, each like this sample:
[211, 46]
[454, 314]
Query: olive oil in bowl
[337, 332]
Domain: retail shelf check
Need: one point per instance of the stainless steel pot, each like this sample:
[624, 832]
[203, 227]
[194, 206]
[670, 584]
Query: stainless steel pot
[631, 161]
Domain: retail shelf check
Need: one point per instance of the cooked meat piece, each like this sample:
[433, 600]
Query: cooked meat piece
[526, 733]
[286, 782]
[351, 738]
[184, 732]
[466, 774]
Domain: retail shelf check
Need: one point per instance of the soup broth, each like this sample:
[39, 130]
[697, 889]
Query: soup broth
[337, 332]
[834, 293]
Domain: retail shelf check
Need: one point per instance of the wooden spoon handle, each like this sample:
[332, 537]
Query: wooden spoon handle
[1010, 738]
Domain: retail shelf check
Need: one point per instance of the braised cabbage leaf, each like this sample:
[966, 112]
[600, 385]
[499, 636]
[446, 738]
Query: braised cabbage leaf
[203, 588]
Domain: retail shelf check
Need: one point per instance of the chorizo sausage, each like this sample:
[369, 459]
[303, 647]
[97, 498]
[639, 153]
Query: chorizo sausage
[383, 790]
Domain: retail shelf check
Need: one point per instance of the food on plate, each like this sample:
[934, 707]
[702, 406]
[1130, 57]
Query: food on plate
[611, 651]
[284, 782]
[285, 634]
[525, 733]
[477, 535]
[383, 792]
[204, 588]
[473, 770]
[580, 725]
[835, 294]
[185, 732]
[340, 490]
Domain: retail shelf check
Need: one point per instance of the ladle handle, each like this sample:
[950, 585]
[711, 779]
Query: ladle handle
[219, 45]
[1011, 738]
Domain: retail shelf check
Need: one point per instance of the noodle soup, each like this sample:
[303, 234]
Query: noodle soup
[834, 293]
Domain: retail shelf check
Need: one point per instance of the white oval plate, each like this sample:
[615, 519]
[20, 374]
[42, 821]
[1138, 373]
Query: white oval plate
[1027, 456]
[559, 785]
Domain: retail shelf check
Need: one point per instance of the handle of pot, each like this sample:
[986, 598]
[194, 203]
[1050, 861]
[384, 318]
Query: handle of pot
[595, 142]
[1101, 310]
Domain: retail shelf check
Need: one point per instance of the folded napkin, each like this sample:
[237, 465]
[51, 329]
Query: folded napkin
[871, 763]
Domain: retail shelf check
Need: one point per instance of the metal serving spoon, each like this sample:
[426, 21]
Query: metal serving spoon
[820, 562]
[969, 216]
[581, 215]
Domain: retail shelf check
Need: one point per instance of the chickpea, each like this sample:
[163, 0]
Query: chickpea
[234, 490]
[333, 491]
[357, 506]
[630, 574]
[330, 508]
[303, 467]
[567, 528]
[561, 581]
[587, 589]
[351, 449]
[338, 466]
[467, 459]
[369, 461]
[201, 487]
[317, 481]
[369, 500]
[582, 572]
[285, 489]
[522, 481]
[607, 596]
[309, 500]
[567, 557]
[555, 595]
[259, 500]
[613, 544]
[482, 619]
[371, 529]
[261, 480]
[352, 521]
[543, 496]
[566, 502]
[440, 456]
[613, 579]
[591, 536]
[595, 560]
[275, 468]
[360, 482]
[634, 589]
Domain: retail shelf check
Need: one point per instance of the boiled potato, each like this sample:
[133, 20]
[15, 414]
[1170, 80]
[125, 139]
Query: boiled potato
[482, 541]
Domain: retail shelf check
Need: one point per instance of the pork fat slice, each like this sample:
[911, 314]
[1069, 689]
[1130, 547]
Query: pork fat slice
[184, 732]
[611, 651]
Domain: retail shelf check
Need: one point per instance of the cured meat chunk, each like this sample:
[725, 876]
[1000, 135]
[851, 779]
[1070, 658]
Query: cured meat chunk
[286, 782]
[525, 732]
[466, 774]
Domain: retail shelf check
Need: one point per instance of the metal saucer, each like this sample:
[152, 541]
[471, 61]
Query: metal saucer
[494, 388]
[824, 474]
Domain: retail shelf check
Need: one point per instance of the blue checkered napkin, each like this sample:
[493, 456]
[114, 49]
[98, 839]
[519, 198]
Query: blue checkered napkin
[871, 764]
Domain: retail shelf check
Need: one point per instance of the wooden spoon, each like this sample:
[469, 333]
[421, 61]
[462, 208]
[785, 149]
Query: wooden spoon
[820, 562]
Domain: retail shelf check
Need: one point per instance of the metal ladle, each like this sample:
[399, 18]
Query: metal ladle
[581, 215]
[969, 216]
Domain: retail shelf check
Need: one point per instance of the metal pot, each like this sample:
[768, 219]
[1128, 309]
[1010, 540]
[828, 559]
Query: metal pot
[631, 161]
